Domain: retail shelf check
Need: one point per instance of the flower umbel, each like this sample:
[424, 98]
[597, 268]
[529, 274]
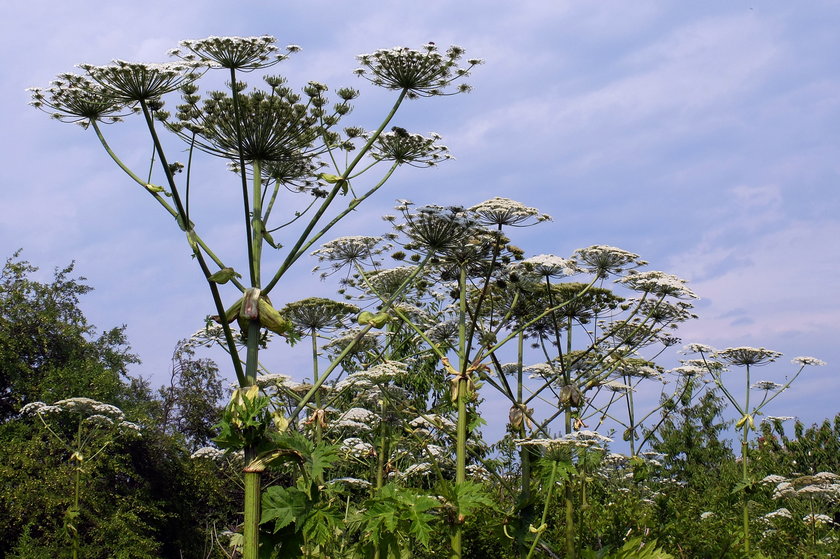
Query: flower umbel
[422, 73]
[133, 81]
[74, 98]
[238, 53]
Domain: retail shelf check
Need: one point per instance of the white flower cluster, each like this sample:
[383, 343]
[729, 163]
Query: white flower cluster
[766, 385]
[416, 470]
[545, 266]
[95, 413]
[240, 53]
[351, 481]
[745, 355]
[688, 370]
[416, 150]
[359, 419]
[504, 211]
[803, 361]
[817, 519]
[420, 73]
[349, 249]
[658, 283]
[778, 513]
[604, 260]
[131, 82]
[773, 418]
[584, 438]
[356, 447]
[615, 386]
[433, 421]
[275, 380]
[209, 452]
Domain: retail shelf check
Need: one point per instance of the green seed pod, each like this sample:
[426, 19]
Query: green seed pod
[380, 319]
[273, 320]
[570, 396]
[364, 317]
[224, 275]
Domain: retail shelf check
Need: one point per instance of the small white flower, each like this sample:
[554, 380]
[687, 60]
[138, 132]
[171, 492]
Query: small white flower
[706, 515]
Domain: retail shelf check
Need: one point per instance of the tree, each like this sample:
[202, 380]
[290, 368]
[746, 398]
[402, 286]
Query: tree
[48, 349]
[140, 497]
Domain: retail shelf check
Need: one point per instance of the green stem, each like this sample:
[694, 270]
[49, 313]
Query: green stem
[745, 469]
[250, 543]
[318, 429]
[78, 484]
[541, 527]
[257, 226]
[461, 429]
[237, 121]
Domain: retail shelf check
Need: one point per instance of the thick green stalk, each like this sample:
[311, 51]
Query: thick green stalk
[251, 532]
[462, 388]
[250, 544]
[78, 458]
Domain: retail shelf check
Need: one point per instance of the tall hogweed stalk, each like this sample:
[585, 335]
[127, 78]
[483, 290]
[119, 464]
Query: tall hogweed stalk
[716, 363]
[280, 142]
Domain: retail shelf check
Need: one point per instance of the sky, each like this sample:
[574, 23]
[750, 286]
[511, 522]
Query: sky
[702, 136]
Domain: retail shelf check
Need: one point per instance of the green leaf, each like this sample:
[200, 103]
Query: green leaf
[283, 506]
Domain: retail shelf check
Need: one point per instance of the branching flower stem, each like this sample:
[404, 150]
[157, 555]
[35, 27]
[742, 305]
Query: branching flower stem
[187, 227]
[295, 252]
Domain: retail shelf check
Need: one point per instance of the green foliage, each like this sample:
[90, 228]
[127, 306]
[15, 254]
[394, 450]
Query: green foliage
[48, 350]
[393, 521]
[141, 497]
[635, 548]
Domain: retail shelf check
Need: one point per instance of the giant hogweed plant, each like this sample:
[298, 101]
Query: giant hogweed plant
[488, 296]
[84, 429]
[715, 363]
[278, 141]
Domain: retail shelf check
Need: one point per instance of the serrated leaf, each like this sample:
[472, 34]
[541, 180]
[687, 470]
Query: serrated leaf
[283, 506]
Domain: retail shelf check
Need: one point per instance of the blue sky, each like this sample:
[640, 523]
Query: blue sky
[703, 136]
